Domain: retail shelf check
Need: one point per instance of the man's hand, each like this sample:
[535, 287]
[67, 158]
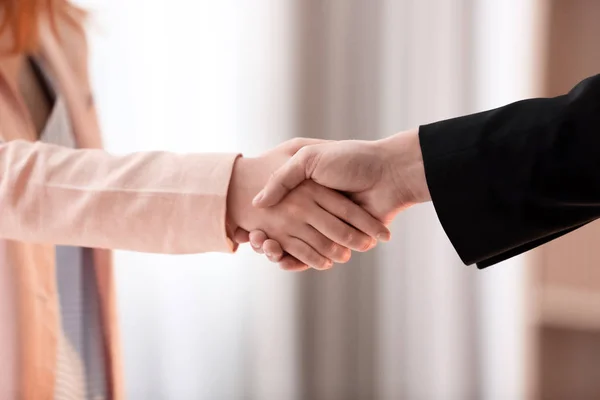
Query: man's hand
[384, 177]
[314, 224]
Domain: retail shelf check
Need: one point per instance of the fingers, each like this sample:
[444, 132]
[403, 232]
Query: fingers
[286, 178]
[274, 253]
[350, 212]
[272, 250]
[289, 263]
[325, 246]
[257, 239]
[340, 232]
[261, 244]
[240, 236]
[306, 254]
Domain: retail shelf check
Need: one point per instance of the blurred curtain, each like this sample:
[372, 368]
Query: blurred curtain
[398, 322]
[402, 322]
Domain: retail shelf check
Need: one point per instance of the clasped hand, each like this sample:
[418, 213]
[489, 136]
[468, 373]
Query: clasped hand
[315, 225]
[299, 216]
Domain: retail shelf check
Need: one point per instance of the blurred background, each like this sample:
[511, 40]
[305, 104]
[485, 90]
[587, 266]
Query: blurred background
[406, 321]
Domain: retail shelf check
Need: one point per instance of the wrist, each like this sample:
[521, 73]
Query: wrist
[248, 177]
[405, 167]
[235, 194]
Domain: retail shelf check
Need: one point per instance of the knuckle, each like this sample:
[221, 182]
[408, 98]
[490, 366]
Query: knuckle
[294, 141]
[257, 237]
[304, 153]
[345, 212]
[293, 208]
[310, 159]
[332, 249]
[297, 142]
[348, 236]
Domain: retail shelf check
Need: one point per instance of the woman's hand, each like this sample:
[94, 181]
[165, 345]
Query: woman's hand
[317, 226]
[270, 248]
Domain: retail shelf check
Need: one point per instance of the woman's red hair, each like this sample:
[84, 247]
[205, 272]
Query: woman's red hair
[21, 18]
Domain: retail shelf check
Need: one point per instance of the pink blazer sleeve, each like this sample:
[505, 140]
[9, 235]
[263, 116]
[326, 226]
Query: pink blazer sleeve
[151, 202]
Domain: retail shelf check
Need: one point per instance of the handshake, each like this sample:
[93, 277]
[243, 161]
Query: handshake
[308, 203]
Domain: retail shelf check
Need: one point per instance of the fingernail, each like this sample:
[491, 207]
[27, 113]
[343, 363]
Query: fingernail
[269, 255]
[258, 198]
[384, 237]
[254, 245]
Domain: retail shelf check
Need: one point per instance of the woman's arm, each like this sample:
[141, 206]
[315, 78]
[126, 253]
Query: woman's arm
[154, 201]
[157, 201]
[169, 203]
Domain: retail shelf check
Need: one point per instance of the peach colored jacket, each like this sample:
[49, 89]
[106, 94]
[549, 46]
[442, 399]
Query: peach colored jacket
[152, 202]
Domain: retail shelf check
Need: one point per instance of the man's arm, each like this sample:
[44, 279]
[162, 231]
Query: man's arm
[502, 181]
[511, 179]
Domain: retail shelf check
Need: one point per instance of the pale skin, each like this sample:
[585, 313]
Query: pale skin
[384, 177]
[314, 224]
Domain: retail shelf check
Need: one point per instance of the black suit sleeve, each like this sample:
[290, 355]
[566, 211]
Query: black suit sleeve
[511, 179]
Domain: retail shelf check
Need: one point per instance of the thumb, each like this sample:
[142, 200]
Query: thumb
[286, 178]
